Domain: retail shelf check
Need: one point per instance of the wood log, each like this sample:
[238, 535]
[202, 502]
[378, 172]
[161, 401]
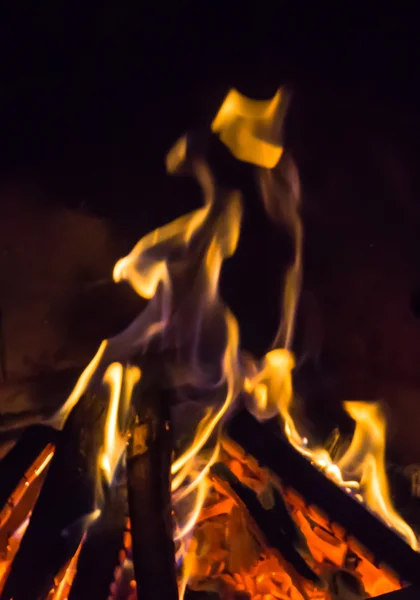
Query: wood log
[294, 470]
[411, 592]
[100, 552]
[68, 499]
[148, 479]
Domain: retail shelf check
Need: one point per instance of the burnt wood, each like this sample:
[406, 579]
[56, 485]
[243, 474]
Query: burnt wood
[409, 593]
[295, 471]
[148, 481]
[72, 491]
[100, 552]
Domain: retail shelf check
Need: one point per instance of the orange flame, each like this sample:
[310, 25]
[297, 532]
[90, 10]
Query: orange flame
[36, 469]
[66, 577]
[15, 515]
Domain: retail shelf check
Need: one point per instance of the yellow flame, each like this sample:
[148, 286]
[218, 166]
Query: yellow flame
[149, 266]
[113, 377]
[187, 568]
[177, 155]
[81, 386]
[132, 375]
[198, 478]
[181, 473]
[244, 126]
[365, 459]
[363, 462]
[145, 269]
[114, 442]
[202, 489]
[247, 127]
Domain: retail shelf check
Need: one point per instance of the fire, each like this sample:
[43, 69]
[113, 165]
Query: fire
[177, 268]
[29, 478]
[64, 580]
[365, 459]
[245, 127]
[114, 444]
[272, 383]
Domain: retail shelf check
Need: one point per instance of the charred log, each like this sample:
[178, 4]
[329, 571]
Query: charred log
[100, 551]
[295, 471]
[66, 503]
[409, 593]
[148, 480]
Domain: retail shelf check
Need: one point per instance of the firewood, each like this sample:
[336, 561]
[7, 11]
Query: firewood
[295, 471]
[148, 481]
[100, 551]
[68, 500]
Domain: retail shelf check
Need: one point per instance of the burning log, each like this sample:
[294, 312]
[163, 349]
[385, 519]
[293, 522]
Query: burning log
[148, 480]
[100, 552]
[68, 502]
[295, 471]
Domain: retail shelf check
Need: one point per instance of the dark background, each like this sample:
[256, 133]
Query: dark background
[91, 99]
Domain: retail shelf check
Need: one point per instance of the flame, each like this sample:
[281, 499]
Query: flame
[244, 125]
[204, 239]
[270, 383]
[365, 459]
[80, 387]
[114, 444]
[361, 468]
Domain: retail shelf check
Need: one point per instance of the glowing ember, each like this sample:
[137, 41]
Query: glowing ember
[14, 518]
[64, 580]
[219, 546]
[226, 554]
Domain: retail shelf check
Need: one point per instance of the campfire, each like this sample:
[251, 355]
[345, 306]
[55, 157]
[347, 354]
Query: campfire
[177, 466]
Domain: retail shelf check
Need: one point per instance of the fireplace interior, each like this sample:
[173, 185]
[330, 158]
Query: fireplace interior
[193, 457]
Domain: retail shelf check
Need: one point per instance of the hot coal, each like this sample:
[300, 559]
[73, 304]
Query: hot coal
[294, 470]
[275, 524]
